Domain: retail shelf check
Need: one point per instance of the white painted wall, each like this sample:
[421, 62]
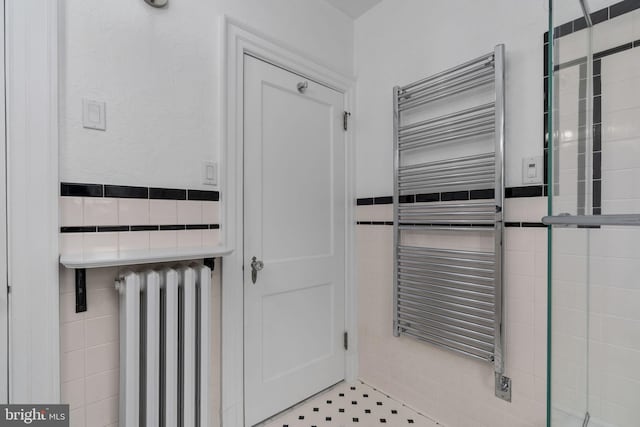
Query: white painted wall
[401, 41]
[158, 71]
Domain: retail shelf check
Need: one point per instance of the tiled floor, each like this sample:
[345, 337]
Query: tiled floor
[350, 405]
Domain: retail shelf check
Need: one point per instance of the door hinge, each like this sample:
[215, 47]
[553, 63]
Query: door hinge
[345, 120]
[346, 340]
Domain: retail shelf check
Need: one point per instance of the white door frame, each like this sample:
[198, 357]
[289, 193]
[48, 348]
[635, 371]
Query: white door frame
[237, 39]
[31, 31]
[4, 301]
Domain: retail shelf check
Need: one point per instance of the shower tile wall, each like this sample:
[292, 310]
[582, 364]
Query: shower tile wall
[596, 300]
[102, 218]
[454, 390]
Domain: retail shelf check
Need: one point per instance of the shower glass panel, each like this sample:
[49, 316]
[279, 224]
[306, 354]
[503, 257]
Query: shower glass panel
[592, 125]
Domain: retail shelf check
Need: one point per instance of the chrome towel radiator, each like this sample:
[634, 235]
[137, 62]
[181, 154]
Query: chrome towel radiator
[445, 294]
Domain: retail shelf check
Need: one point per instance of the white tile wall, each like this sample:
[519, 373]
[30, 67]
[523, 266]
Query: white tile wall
[100, 211]
[189, 212]
[90, 350]
[210, 213]
[133, 240]
[93, 211]
[163, 239]
[454, 390]
[71, 211]
[99, 242]
[613, 32]
[133, 212]
[374, 213]
[189, 238]
[211, 238]
[163, 212]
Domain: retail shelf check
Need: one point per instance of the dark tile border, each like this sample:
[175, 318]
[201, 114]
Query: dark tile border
[126, 192]
[210, 196]
[486, 194]
[78, 229]
[525, 224]
[524, 191]
[597, 17]
[81, 190]
[173, 227]
[596, 103]
[127, 228]
[570, 27]
[133, 192]
[112, 228]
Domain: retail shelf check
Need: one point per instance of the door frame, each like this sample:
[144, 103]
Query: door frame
[4, 295]
[236, 40]
[31, 74]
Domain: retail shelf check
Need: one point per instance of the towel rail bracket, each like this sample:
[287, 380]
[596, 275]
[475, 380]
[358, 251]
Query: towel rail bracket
[81, 290]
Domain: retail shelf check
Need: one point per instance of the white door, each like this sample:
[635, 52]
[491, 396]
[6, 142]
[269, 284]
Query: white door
[294, 222]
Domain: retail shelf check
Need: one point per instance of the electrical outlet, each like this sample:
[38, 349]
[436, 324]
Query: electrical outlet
[532, 170]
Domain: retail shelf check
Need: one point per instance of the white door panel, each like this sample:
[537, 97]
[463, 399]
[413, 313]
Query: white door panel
[294, 221]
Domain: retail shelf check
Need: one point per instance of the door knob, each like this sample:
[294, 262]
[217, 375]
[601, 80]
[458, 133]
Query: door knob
[255, 267]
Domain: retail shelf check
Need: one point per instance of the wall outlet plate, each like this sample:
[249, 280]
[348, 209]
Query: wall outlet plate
[503, 387]
[209, 173]
[94, 114]
[532, 170]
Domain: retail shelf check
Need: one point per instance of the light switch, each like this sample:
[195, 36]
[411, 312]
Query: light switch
[209, 173]
[532, 170]
[94, 114]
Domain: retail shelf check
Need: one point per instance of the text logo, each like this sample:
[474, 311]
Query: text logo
[34, 415]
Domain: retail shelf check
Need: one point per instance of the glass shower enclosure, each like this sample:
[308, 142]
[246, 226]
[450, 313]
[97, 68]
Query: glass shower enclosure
[592, 126]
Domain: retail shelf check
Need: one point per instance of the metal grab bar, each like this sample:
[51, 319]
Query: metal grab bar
[593, 220]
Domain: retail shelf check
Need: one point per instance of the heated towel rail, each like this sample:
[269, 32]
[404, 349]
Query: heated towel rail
[450, 297]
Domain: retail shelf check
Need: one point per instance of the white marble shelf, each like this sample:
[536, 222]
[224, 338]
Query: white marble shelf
[151, 256]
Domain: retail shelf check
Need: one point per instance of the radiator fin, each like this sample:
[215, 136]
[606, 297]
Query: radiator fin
[165, 347]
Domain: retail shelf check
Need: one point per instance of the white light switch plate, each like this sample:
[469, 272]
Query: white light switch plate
[209, 173]
[94, 114]
[532, 170]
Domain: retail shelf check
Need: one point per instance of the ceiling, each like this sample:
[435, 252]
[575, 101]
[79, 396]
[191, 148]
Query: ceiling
[353, 8]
